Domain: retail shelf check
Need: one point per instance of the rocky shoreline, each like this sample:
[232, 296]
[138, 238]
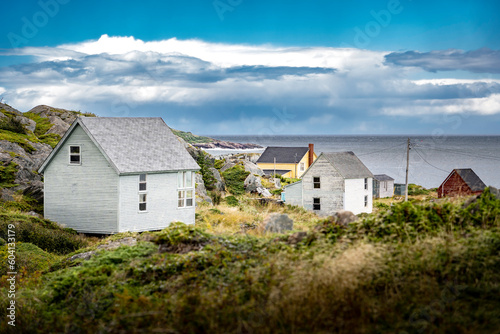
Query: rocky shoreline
[227, 145]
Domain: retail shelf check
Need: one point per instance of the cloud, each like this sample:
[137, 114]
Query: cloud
[238, 88]
[478, 61]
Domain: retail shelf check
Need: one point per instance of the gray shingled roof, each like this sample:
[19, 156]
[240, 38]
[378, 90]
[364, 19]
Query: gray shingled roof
[382, 177]
[471, 178]
[348, 165]
[137, 144]
[283, 155]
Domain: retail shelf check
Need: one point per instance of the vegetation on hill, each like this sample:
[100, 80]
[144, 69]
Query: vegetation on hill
[191, 138]
[409, 268]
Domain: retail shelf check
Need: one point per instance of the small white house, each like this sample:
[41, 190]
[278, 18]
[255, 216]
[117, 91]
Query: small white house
[335, 181]
[110, 175]
[383, 186]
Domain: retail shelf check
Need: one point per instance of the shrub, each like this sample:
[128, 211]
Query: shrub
[216, 197]
[235, 178]
[232, 201]
[29, 258]
[8, 175]
[218, 164]
[12, 124]
[43, 233]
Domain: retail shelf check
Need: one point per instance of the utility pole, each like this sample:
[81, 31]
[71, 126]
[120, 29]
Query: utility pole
[407, 165]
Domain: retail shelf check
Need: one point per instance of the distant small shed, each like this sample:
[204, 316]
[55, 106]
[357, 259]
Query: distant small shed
[399, 189]
[383, 186]
[461, 182]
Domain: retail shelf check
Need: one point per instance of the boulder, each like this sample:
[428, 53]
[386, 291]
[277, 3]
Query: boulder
[252, 183]
[127, 241]
[35, 191]
[278, 223]
[228, 165]
[296, 238]
[6, 107]
[60, 127]
[220, 185]
[264, 192]
[344, 217]
[201, 191]
[28, 123]
[252, 168]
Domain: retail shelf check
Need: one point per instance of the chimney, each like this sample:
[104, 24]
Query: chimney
[311, 154]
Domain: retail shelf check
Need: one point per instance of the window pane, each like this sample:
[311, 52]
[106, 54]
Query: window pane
[180, 180]
[74, 149]
[181, 194]
[74, 159]
[189, 194]
[142, 198]
[142, 206]
[142, 186]
[189, 202]
[189, 179]
[180, 203]
[316, 200]
[142, 178]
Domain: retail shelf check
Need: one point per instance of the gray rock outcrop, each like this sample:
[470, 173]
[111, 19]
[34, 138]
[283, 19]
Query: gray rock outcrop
[220, 185]
[344, 217]
[278, 223]
[201, 191]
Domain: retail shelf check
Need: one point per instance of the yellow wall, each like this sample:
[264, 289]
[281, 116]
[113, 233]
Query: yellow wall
[295, 168]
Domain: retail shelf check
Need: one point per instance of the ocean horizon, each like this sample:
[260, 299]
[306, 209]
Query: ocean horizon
[432, 158]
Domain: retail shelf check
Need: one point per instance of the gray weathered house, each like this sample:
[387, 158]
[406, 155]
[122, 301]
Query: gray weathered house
[110, 175]
[383, 186]
[335, 181]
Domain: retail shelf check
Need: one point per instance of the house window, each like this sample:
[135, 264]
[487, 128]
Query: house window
[185, 191]
[316, 182]
[142, 202]
[316, 204]
[366, 201]
[366, 183]
[302, 167]
[142, 192]
[142, 182]
[385, 185]
[75, 157]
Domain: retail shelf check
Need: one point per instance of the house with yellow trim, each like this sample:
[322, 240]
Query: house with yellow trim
[289, 162]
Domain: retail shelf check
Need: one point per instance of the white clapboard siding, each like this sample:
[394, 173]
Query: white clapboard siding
[293, 193]
[161, 190]
[83, 197]
[331, 192]
[355, 193]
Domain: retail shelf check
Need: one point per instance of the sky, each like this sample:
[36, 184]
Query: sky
[261, 67]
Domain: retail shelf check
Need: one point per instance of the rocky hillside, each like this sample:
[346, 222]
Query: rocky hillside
[26, 139]
[208, 143]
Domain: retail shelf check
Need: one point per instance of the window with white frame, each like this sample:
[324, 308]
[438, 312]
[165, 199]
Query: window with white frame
[302, 167]
[366, 201]
[316, 182]
[142, 201]
[185, 189]
[142, 182]
[75, 155]
[142, 192]
[366, 183]
[316, 204]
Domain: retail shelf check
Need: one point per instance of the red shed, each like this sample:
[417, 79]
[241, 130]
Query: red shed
[461, 182]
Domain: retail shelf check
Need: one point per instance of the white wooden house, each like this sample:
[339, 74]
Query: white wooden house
[335, 181]
[110, 175]
[383, 186]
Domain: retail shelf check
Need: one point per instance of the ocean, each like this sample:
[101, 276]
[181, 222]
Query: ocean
[432, 158]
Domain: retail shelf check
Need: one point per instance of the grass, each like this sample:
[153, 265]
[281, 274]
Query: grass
[409, 268]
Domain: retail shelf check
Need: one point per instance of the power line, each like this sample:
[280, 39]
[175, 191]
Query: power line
[447, 172]
[482, 156]
[384, 149]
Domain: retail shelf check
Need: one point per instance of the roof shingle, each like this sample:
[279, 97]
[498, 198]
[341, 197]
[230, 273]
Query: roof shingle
[348, 165]
[283, 155]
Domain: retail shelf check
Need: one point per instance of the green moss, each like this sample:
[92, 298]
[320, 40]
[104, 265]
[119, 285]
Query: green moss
[20, 139]
[50, 138]
[29, 258]
[232, 201]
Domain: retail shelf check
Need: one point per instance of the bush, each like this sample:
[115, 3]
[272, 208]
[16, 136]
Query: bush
[13, 125]
[29, 258]
[235, 179]
[8, 175]
[43, 233]
[232, 201]
[218, 164]
[216, 197]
